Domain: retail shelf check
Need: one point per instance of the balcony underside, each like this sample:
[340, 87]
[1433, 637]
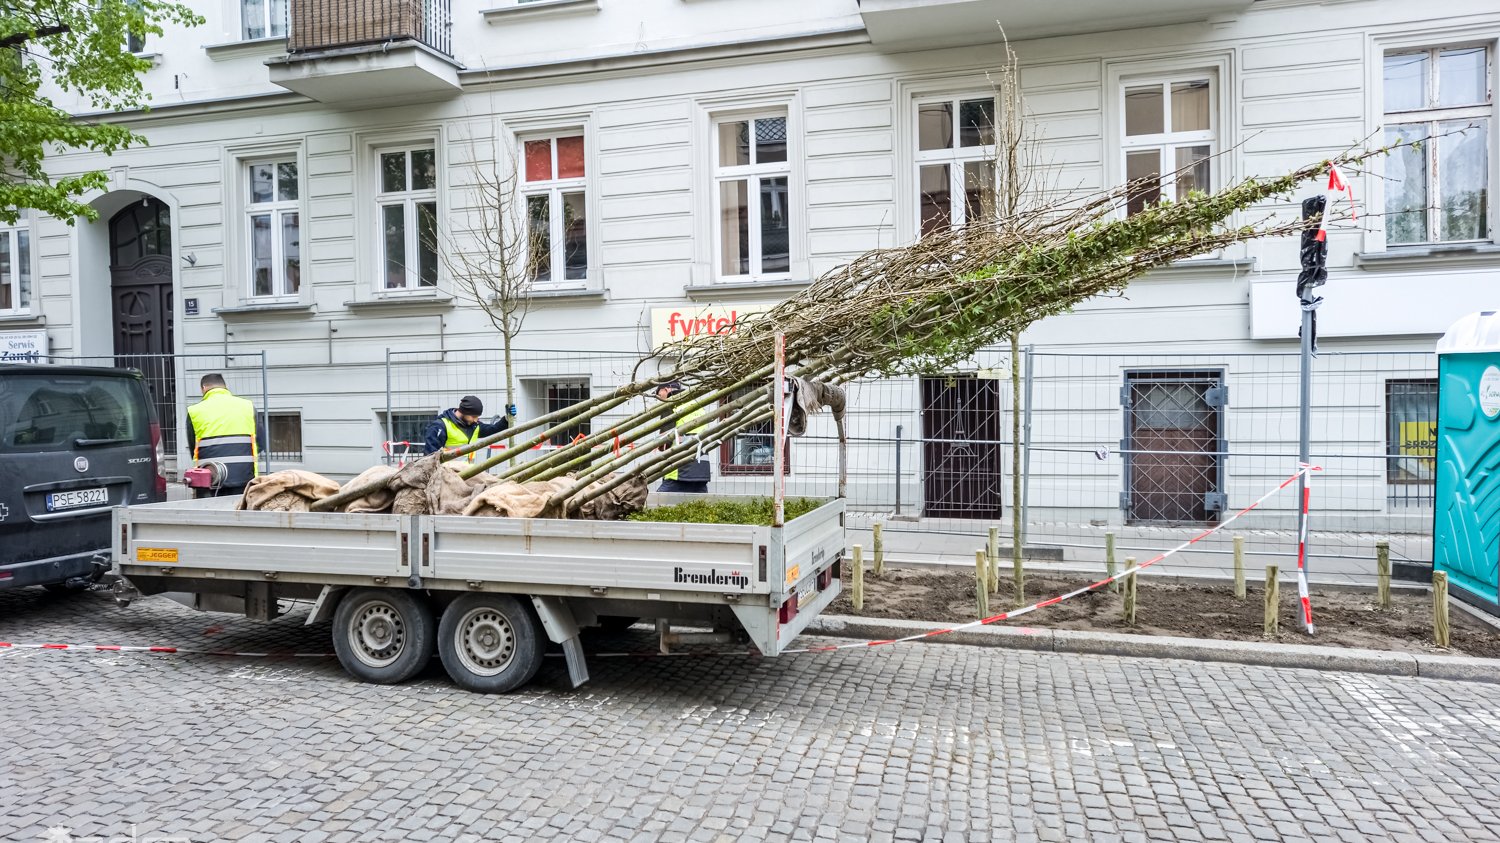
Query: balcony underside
[938, 23]
[402, 71]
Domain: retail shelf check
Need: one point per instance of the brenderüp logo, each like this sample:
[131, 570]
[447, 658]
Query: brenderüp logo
[713, 577]
[63, 834]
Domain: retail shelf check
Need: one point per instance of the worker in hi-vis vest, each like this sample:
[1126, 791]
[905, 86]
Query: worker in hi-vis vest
[458, 426]
[694, 476]
[223, 427]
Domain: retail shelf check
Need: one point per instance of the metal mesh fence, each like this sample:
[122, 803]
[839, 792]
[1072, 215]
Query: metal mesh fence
[1153, 449]
[172, 382]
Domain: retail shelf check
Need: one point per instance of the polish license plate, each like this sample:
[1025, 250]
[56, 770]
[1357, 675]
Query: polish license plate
[806, 595]
[76, 498]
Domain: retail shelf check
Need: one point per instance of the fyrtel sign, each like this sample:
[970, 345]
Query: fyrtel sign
[674, 324]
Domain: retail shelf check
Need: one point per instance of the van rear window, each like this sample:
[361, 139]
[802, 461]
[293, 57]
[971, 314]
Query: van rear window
[47, 413]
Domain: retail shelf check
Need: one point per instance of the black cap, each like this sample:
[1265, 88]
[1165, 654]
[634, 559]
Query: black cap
[672, 388]
[470, 405]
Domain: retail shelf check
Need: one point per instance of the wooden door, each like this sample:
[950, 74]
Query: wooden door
[962, 455]
[140, 247]
[1173, 447]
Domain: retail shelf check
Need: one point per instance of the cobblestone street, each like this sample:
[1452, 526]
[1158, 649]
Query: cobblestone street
[921, 742]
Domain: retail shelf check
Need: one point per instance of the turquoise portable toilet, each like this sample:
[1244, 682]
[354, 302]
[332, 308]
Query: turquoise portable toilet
[1466, 511]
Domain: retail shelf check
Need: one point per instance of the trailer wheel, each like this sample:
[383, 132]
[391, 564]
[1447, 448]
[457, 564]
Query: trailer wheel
[382, 635]
[490, 643]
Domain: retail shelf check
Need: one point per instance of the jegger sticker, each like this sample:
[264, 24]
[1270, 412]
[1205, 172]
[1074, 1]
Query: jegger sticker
[1489, 392]
[156, 554]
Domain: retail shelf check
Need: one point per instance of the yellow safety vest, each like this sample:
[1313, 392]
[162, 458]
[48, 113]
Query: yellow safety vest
[456, 436]
[694, 421]
[224, 432]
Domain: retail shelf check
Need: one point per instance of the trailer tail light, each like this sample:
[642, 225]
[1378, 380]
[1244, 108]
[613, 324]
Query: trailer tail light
[159, 453]
[825, 577]
[787, 611]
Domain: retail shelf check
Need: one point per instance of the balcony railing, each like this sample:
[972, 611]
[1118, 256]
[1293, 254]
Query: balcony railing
[321, 25]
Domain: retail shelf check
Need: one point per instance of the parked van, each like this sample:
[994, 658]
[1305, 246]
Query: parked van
[74, 443]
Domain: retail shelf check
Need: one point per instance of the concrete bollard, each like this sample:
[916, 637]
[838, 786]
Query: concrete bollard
[1130, 592]
[1383, 574]
[1273, 601]
[1239, 567]
[982, 583]
[879, 530]
[1109, 560]
[858, 596]
[1440, 609]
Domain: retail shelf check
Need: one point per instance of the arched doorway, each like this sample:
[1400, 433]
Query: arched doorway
[140, 273]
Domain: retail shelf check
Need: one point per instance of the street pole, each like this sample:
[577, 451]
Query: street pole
[1314, 259]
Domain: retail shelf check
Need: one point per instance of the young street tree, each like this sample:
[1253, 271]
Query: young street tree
[81, 49]
[493, 260]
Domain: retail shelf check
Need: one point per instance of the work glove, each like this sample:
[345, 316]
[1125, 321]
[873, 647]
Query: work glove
[510, 410]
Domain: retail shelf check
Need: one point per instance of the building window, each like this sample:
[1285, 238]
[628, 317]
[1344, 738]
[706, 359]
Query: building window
[955, 161]
[15, 269]
[407, 209]
[282, 436]
[263, 18]
[752, 198]
[275, 228]
[1168, 137]
[753, 450]
[407, 432]
[1438, 191]
[135, 40]
[556, 198]
[1411, 440]
[561, 395]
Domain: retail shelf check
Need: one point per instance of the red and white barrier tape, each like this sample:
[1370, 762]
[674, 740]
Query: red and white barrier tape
[1307, 621]
[1304, 469]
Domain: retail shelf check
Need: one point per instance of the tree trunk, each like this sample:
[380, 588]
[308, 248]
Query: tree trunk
[1017, 528]
[510, 380]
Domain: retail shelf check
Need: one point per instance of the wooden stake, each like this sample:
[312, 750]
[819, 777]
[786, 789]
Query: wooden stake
[1130, 592]
[1239, 567]
[858, 597]
[1383, 574]
[1109, 560]
[1440, 609]
[878, 529]
[982, 583]
[992, 551]
[1273, 601]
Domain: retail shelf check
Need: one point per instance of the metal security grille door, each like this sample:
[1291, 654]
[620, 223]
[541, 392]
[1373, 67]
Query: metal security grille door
[1174, 423]
[563, 394]
[962, 455]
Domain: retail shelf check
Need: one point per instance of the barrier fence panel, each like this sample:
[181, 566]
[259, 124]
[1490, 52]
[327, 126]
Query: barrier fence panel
[172, 382]
[1151, 448]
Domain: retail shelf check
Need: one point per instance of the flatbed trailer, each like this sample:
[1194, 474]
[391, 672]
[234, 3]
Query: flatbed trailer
[486, 593]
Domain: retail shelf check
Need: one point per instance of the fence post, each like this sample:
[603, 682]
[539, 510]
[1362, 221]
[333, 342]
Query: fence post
[898, 471]
[878, 529]
[992, 552]
[1239, 567]
[1130, 592]
[1026, 455]
[1383, 574]
[265, 409]
[858, 597]
[982, 584]
[1273, 600]
[1109, 561]
[1440, 609]
[389, 435]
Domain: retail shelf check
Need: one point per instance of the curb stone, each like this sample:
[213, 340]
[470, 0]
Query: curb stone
[1304, 656]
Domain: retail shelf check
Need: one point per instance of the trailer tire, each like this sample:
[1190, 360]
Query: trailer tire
[382, 635]
[490, 643]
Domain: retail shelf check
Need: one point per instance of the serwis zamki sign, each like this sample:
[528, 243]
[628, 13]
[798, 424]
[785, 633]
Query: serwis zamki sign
[23, 346]
[674, 324]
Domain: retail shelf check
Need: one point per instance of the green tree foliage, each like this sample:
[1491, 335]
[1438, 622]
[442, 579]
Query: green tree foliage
[78, 48]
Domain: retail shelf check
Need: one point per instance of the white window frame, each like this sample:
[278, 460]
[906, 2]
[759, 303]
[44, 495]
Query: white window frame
[955, 157]
[554, 188]
[409, 199]
[267, 21]
[1428, 117]
[1167, 142]
[752, 174]
[277, 209]
[13, 232]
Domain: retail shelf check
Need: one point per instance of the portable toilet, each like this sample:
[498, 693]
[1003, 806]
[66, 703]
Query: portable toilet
[1466, 511]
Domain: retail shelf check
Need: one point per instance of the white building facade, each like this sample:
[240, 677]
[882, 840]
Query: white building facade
[683, 159]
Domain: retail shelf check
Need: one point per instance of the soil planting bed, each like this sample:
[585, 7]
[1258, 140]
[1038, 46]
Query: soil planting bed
[1343, 618]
